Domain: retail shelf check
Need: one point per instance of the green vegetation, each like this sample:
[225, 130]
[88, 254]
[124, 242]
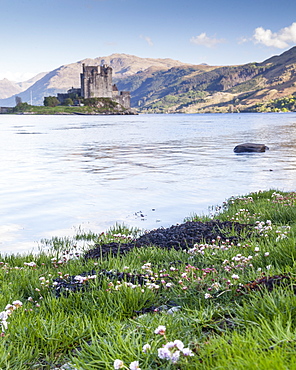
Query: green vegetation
[68, 102]
[89, 106]
[51, 101]
[176, 102]
[286, 104]
[223, 305]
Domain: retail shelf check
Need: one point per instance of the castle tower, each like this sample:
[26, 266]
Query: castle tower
[96, 81]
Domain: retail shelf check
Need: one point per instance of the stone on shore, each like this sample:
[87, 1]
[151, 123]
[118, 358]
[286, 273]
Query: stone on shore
[250, 148]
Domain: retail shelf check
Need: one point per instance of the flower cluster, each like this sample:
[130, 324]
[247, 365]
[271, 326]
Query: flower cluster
[263, 227]
[8, 311]
[202, 248]
[171, 351]
[117, 238]
[118, 364]
[30, 264]
[286, 200]
[82, 279]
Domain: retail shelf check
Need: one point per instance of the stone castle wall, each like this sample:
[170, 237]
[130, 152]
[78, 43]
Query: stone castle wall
[96, 82]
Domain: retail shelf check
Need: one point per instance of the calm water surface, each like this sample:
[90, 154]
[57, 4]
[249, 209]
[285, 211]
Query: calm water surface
[61, 173]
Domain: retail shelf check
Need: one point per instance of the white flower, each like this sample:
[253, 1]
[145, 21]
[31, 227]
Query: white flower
[146, 348]
[235, 277]
[118, 364]
[208, 295]
[256, 249]
[17, 304]
[179, 344]
[4, 315]
[175, 357]
[187, 352]
[31, 264]
[268, 267]
[164, 353]
[266, 254]
[4, 325]
[169, 345]
[80, 279]
[134, 365]
[160, 330]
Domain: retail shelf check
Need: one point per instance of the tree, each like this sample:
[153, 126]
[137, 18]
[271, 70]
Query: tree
[68, 101]
[22, 107]
[51, 101]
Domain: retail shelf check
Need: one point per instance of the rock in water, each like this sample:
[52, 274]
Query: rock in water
[250, 148]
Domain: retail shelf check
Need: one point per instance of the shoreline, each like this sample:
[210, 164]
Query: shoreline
[158, 307]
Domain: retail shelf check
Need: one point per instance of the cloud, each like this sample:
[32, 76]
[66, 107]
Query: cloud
[204, 40]
[243, 40]
[147, 39]
[280, 39]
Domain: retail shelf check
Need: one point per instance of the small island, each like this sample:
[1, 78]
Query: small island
[97, 95]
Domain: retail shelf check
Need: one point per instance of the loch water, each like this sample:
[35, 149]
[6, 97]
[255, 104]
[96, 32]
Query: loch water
[60, 174]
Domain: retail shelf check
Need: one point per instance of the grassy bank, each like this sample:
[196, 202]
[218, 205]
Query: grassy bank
[215, 306]
[100, 106]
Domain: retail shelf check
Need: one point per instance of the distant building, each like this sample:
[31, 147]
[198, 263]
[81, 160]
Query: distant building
[96, 82]
[4, 110]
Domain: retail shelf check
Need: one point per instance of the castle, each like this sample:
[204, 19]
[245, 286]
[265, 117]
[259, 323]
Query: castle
[96, 82]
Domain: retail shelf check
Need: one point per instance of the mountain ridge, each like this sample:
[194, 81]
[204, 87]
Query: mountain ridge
[66, 76]
[167, 85]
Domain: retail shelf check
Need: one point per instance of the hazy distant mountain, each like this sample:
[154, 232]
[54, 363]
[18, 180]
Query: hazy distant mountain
[8, 88]
[166, 85]
[26, 84]
[67, 76]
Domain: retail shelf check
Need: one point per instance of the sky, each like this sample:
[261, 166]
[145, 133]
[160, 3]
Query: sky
[41, 35]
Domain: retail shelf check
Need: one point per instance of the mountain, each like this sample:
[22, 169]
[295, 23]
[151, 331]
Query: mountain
[205, 88]
[63, 78]
[8, 88]
[166, 85]
[26, 84]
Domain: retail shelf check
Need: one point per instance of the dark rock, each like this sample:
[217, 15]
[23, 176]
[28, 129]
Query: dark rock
[250, 148]
[182, 236]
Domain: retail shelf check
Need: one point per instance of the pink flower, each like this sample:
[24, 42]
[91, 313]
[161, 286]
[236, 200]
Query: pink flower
[160, 330]
[17, 304]
[164, 353]
[175, 357]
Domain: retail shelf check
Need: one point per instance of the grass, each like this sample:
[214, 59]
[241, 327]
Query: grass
[212, 298]
[105, 106]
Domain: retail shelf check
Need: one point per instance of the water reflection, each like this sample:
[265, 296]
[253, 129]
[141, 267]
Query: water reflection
[96, 171]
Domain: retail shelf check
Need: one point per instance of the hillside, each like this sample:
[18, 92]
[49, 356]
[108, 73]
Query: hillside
[67, 76]
[201, 88]
[166, 85]
[8, 88]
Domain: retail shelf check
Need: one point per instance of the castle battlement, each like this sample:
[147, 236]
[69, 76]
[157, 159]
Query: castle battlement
[96, 82]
